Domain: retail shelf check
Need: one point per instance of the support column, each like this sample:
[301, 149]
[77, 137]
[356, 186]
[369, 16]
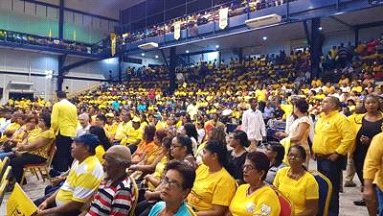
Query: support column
[61, 58]
[316, 48]
[356, 36]
[61, 20]
[120, 55]
[172, 69]
[60, 77]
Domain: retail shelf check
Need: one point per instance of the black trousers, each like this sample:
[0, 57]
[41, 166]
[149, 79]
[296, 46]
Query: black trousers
[63, 158]
[18, 164]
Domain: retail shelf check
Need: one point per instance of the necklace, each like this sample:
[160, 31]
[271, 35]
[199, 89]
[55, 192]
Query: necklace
[295, 176]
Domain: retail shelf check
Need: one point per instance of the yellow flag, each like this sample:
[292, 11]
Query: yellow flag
[19, 203]
[74, 35]
[113, 43]
[223, 18]
[177, 30]
[50, 32]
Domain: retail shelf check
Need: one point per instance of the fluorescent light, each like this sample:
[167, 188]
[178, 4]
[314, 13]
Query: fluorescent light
[320, 28]
[143, 54]
[187, 51]
[156, 56]
[217, 46]
[147, 46]
[264, 38]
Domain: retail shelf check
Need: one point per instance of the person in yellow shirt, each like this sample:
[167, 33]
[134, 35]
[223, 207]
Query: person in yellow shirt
[111, 126]
[214, 187]
[64, 123]
[123, 127]
[133, 135]
[104, 144]
[255, 198]
[332, 141]
[373, 176]
[261, 95]
[297, 184]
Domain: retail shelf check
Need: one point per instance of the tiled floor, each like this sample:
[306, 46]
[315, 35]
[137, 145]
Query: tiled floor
[35, 189]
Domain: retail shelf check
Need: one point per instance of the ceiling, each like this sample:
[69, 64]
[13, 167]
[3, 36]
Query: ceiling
[107, 8]
[337, 24]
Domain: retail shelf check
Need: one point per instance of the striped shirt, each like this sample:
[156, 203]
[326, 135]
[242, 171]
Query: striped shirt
[113, 198]
[82, 181]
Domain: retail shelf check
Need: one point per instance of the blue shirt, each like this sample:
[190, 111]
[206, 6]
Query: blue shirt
[157, 208]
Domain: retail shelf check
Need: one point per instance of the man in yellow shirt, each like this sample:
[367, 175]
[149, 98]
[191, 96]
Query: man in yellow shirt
[373, 175]
[332, 140]
[64, 123]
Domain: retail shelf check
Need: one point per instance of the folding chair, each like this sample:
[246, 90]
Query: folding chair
[3, 166]
[43, 168]
[325, 192]
[3, 186]
[135, 196]
[287, 208]
[7, 175]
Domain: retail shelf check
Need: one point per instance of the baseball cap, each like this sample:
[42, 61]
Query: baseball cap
[90, 140]
[136, 119]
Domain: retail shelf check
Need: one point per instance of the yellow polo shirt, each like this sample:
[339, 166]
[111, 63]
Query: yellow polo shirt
[83, 180]
[122, 129]
[263, 201]
[332, 134]
[133, 136]
[373, 164]
[64, 118]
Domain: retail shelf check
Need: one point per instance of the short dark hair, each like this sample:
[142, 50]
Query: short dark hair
[302, 105]
[102, 117]
[186, 171]
[280, 150]
[251, 100]
[46, 118]
[150, 131]
[242, 137]
[186, 141]
[260, 162]
[301, 150]
[219, 149]
[336, 101]
[61, 94]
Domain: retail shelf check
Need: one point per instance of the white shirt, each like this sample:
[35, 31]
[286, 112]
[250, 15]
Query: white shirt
[192, 111]
[82, 130]
[201, 134]
[253, 124]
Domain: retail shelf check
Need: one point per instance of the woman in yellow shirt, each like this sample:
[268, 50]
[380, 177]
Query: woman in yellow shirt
[214, 187]
[104, 144]
[255, 197]
[297, 184]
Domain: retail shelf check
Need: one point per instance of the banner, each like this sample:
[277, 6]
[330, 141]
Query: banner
[19, 203]
[177, 31]
[223, 18]
[113, 43]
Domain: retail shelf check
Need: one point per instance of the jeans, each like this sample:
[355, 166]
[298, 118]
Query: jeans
[379, 194]
[332, 170]
[5, 154]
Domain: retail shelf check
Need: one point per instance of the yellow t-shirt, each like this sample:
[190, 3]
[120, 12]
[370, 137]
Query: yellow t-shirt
[261, 95]
[263, 201]
[298, 191]
[132, 136]
[211, 189]
[43, 150]
[122, 129]
[159, 172]
[100, 151]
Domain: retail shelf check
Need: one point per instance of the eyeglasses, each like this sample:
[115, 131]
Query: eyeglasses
[171, 184]
[293, 156]
[248, 167]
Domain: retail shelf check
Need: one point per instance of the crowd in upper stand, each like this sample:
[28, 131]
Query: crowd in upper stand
[199, 151]
[23, 38]
[192, 21]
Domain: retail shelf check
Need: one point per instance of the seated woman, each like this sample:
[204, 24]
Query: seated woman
[275, 152]
[176, 186]
[104, 142]
[297, 184]
[154, 179]
[146, 146]
[214, 134]
[236, 157]
[152, 157]
[36, 151]
[255, 197]
[214, 187]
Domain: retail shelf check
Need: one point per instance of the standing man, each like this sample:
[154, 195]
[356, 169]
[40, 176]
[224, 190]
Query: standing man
[64, 123]
[253, 124]
[332, 141]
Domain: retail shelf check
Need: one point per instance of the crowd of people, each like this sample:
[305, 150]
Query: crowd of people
[231, 140]
[191, 22]
[23, 38]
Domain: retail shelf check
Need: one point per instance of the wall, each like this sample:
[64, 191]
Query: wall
[26, 17]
